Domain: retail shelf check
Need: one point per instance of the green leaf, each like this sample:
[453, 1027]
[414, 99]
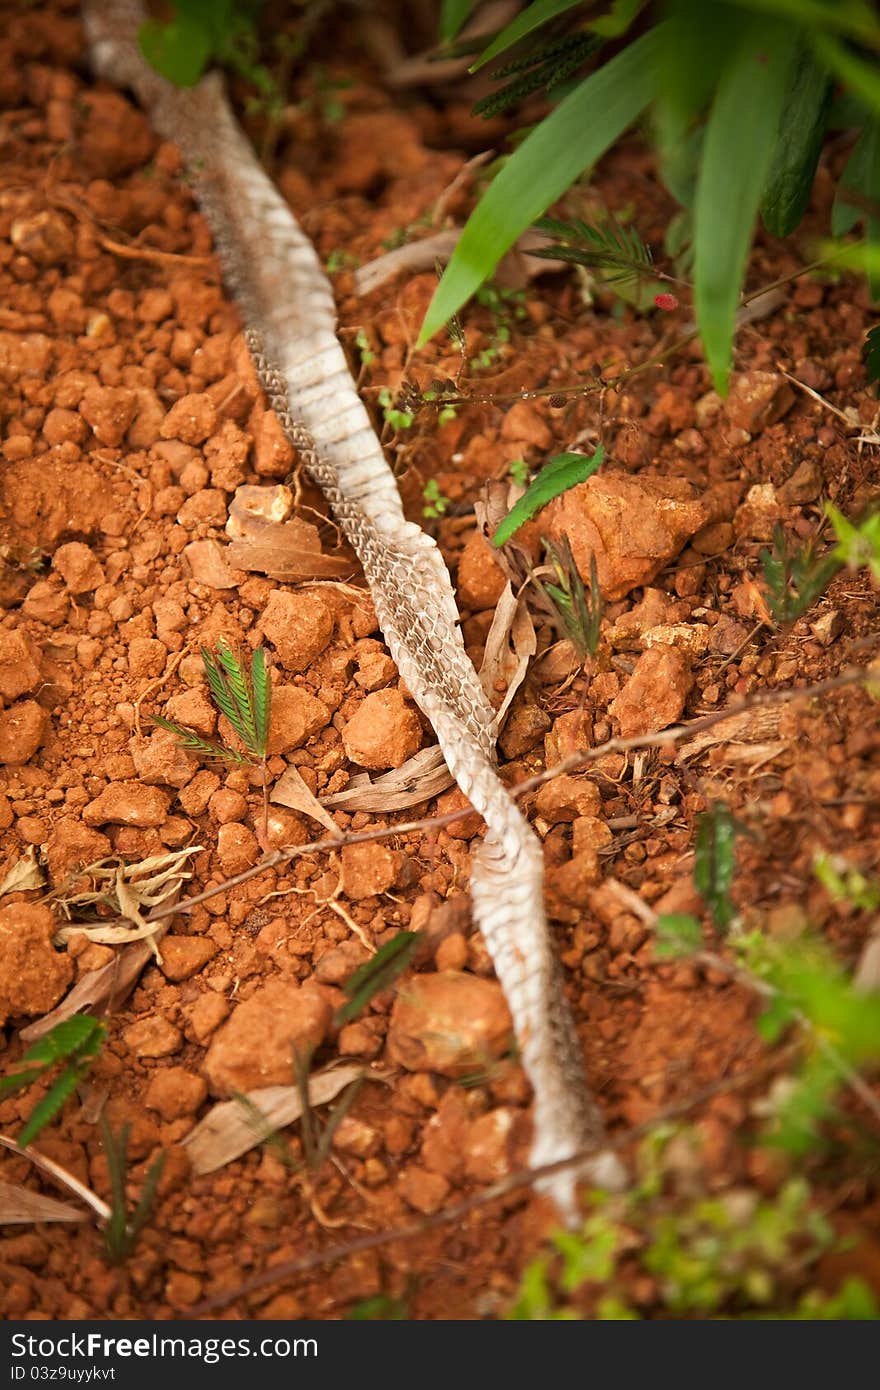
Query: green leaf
[861, 76]
[262, 689]
[533, 16]
[453, 16]
[871, 353]
[798, 146]
[46, 1109]
[677, 934]
[194, 743]
[241, 693]
[179, 50]
[715, 863]
[561, 473]
[739, 142]
[380, 971]
[569, 141]
[218, 687]
[67, 1038]
[862, 176]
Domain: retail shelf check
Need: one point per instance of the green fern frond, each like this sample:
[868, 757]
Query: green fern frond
[240, 692]
[218, 687]
[262, 693]
[617, 251]
[193, 743]
[544, 68]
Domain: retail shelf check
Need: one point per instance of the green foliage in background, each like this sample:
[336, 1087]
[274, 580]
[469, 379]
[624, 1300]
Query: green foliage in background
[739, 94]
[202, 32]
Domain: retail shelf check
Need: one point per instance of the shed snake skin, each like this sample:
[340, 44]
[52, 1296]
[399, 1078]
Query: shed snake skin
[287, 307]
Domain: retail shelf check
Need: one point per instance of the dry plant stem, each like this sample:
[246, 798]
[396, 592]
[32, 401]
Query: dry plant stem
[61, 1175]
[523, 1177]
[852, 675]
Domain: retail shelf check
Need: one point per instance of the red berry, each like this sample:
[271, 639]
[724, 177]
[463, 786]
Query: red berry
[666, 302]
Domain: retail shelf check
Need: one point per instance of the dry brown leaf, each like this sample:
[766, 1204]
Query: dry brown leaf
[25, 874]
[756, 725]
[422, 776]
[510, 646]
[290, 790]
[60, 1175]
[229, 1130]
[18, 1206]
[264, 535]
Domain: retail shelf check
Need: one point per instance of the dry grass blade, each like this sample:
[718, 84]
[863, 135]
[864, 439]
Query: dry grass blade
[25, 874]
[228, 1130]
[60, 1175]
[21, 1207]
[265, 536]
[510, 646]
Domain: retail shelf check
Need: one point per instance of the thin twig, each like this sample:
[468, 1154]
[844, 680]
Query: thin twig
[851, 675]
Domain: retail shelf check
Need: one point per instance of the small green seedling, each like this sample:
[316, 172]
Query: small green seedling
[561, 473]
[122, 1231]
[579, 612]
[858, 542]
[715, 862]
[362, 344]
[435, 502]
[316, 1138]
[795, 578]
[376, 975]
[75, 1043]
[393, 416]
[244, 698]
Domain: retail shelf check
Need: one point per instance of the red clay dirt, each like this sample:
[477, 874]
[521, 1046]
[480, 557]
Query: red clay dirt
[129, 416]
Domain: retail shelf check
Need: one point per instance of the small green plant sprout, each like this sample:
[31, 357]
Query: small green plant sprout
[846, 884]
[201, 32]
[858, 543]
[578, 612]
[617, 254]
[715, 862]
[561, 473]
[871, 355]
[435, 504]
[316, 1138]
[362, 343]
[393, 416]
[73, 1045]
[519, 471]
[341, 260]
[375, 975]
[504, 305]
[795, 578]
[121, 1231]
[244, 698]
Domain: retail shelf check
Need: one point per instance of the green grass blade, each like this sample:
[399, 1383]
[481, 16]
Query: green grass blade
[262, 689]
[561, 473]
[241, 694]
[453, 16]
[548, 161]
[740, 137]
[533, 16]
[376, 974]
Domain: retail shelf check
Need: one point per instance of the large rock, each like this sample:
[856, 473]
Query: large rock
[451, 1023]
[33, 975]
[128, 803]
[256, 1046]
[633, 525]
[299, 626]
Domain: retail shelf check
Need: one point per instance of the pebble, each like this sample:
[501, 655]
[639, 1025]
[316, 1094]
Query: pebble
[78, 567]
[161, 761]
[295, 716]
[22, 729]
[299, 627]
[654, 696]
[128, 803]
[153, 1036]
[449, 1022]
[175, 1093]
[423, 1191]
[237, 848]
[19, 665]
[369, 869]
[33, 975]
[184, 956]
[255, 1046]
[758, 399]
[383, 732]
[480, 581]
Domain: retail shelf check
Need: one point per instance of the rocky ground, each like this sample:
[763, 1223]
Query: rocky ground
[130, 416]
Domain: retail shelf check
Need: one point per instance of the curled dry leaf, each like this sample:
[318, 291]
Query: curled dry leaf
[229, 1130]
[265, 536]
[130, 889]
[290, 790]
[421, 777]
[25, 874]
[19, 1206]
